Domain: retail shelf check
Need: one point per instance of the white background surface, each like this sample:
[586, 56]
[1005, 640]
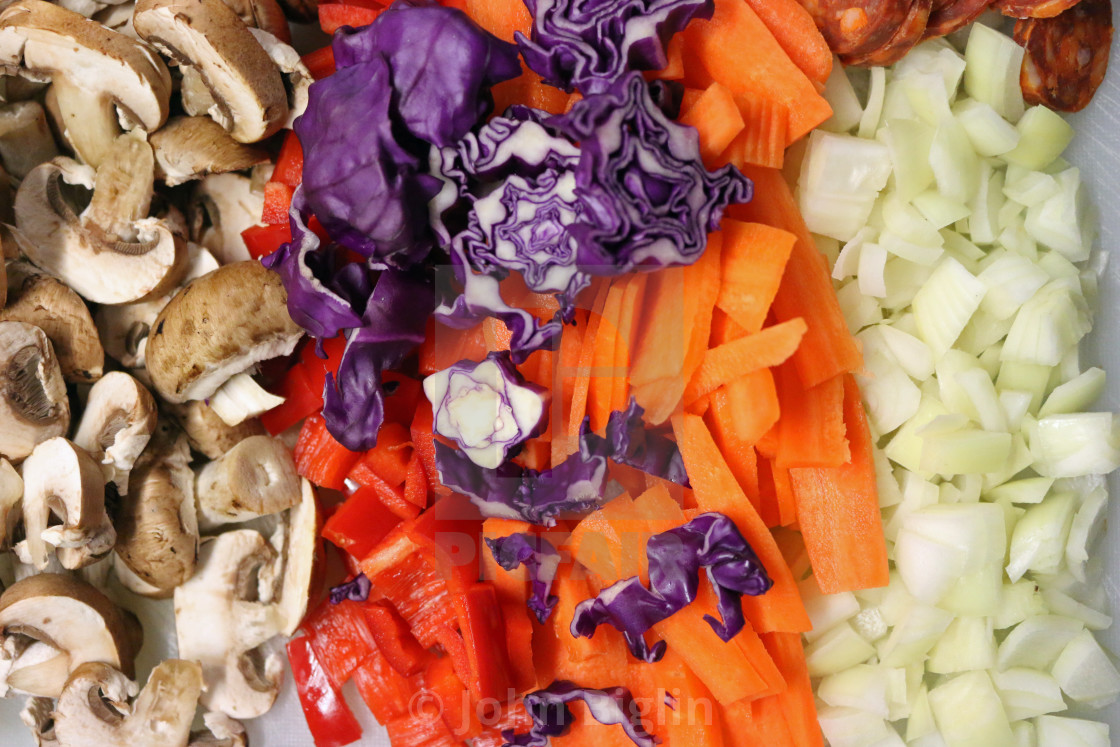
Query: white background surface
[1095, 149]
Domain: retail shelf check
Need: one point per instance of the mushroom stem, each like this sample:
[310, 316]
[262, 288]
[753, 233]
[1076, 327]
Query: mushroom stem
[11, 495]
[241, 398]
[122, 191]
[257, 477]
[89, 120]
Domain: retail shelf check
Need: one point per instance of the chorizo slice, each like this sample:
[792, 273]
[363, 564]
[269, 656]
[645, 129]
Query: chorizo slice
[856, 27]
[909, 33]
[955, 15]
[1066, 56]
[1033, 8]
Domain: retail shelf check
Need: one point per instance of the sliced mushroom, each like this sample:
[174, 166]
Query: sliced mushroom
[223, 206]
[85, 8]
[301, 11]
[266, 15]
[62, 480]
[116, 425]
[118, 18]
[297, 78]
[248, 92]
[219, 325]
[102, 251]
[11, 506]
[60, 613]
[33, 403]
[257, 477]
[25, 137]
[301, 555]
[221, 731]
[45, 301]
[209, 434]
[157, 527]
[189, 148]
[101, 78]
[94, 710]
[38, 716]
[220, 622]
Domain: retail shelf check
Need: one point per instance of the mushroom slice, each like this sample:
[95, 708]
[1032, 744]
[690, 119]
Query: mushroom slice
[209, 434]
[40, 299]
[249, 97]
[220, 622]
[118, 421]
[25, 137]
[94, 706]
[219, 325]
[63, 480]
[33, 403]
[38, 716]
[257, 477]
[297, 78]
[157, 527]
[188, 148]
[94, 260]
[100, 77]
[302, 553]
[222, 207]
[11, 497]
[69, 616]
[266, 15]
[221, 731]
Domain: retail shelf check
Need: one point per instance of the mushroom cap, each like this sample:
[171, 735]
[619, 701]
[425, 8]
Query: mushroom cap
[25, 137]
[61, 478]
[219, 325]
[266, 15]
[221, 731]
[297, 78]
[209, 434]
[157, 529]
[11, 501]
[48, 303]
[188, 148]
[249, 96]
[99, 267]
[75, 618]
[160, 717]
[44, 40]
[222, 206]
[33, 402]
[220, 624]
[117, 423]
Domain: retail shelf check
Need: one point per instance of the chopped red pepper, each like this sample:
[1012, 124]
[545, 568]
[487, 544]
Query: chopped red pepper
[262, 241]
[404, 572]
[320, 458]
[389, 458]
[277, 203]
[480, 623]
[424, 442]
[456, 707]
[391, 498]
[396, 643]
[424, 729]
[330, 720]
[289, 162]
[320, 63]
[333, 16]
[359, 523]
[340, 637]
[300, 400]
[416, 483]
[406, 394]
[385, 691]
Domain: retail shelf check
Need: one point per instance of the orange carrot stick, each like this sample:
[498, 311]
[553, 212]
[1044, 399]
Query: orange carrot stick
[715, 115]
[633, 294]
[583, 380]
[603, 371]
[795, 31]
[762, 141]
[754, 259]
[797, 702]
[726, 363]
[811, 431]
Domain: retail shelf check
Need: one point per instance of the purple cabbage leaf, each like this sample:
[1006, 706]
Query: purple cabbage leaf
[540, 558]
[629, 442]
[588, 44]
[552, 717]
[710, 541]
[356, 590]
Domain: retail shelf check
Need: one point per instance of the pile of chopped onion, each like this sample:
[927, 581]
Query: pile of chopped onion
[961, 245]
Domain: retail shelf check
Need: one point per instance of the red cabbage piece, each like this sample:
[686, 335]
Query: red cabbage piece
[418, 75]
[629, 442]
[541, 559]
[710, 541]
[356, 590]
[647, 200]
[393, 325]
[588, 44]
[486, 407]
[552, 717]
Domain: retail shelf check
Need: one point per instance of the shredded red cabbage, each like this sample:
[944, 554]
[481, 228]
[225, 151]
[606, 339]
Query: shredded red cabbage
[541, 559]
[552, 717]
[629, 442]
[588, 45]
[710, 541]
[356, 590]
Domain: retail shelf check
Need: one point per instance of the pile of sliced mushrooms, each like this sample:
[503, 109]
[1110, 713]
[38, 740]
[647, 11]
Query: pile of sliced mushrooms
[132, 322]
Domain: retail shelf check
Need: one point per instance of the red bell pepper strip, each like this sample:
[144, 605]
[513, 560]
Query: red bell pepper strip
[406, 394]
[262, 241]
[484, 639]
[456, 707]
[391, 498]
[416, 483]
[333, 16]
[389, 458]
[320, 63]
[359, 523]
[385, 691]
[277, 203]
[289, 162]
[330, 720]
[320, 458]
[300, 400]
[340, 638]
[424, 442]
[404, 573]
[394, 640]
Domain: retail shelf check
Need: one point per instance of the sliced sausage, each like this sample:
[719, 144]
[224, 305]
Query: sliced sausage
[909, 33]
[1066, 56]
[1033, 8]
[856, 27]
[954, 15]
